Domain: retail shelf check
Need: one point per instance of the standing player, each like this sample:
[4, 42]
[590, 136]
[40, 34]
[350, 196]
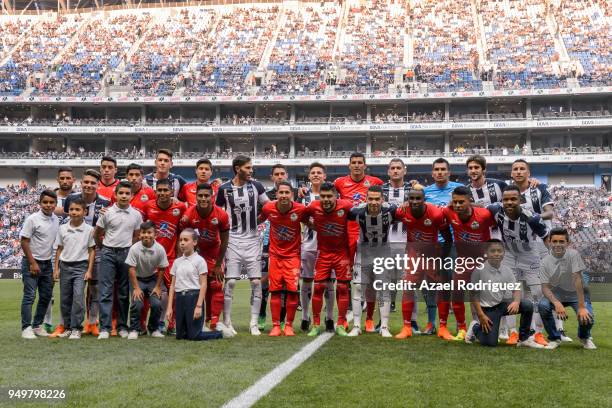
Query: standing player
[212, 225]
[163, 165]
[95, 203]
[141, 193]
[395, 192]
[354, 188]
[471, 226]
[523, 232]
[375, 219]
[285, 218]
[537, 199]
[485, 191]
[239, 197]
[316, 177]
[108, 182]
[424, 223]
[203, 172]
[166, 214]
[330, 221]
[438, 194]
[65, 181]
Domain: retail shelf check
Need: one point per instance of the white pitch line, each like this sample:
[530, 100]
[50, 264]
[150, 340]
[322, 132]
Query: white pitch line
[265, 384]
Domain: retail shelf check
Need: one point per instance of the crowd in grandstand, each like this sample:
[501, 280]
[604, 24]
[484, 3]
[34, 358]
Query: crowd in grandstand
[352, 48]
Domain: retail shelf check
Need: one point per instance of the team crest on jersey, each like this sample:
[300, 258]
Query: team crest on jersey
[144, 198]
[176, 212]
[294, 217]
[367, 183]
[214, 221]
[427, 222]
[340, 213]
[475, 225]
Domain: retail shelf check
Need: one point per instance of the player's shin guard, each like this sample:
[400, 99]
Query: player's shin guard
[164, 305]
[228, 297]
[536, 295]
[216, 302]
[275, 307]
[255, 300]
[343, 300]
[385, 310]
[305, 295]
[408, 306]
[49, 313]
[558, 322]
[510, 323]
[415, 312]
[292, 303]
[329, 300]
[370, 306]
[317, 302]
[356, 299]
[459, 311]
[432, 306]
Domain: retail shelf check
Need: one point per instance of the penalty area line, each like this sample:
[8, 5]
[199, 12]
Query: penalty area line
[265, 384]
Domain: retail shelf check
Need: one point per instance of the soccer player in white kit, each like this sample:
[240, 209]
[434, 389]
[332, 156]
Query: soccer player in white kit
[240, 198]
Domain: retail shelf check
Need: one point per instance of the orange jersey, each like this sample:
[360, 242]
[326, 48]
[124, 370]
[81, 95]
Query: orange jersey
[285, 229]
[108, 191]
[188, 193]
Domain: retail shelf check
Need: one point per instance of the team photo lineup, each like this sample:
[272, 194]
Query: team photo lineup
[154, 255]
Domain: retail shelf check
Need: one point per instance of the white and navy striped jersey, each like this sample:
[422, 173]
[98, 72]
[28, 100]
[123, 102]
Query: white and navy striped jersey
[396, 196]
[536, 198]
[491, 192]
[309, 237]
[240, 203]
[520, 235]
[373, 230]
[176, 181]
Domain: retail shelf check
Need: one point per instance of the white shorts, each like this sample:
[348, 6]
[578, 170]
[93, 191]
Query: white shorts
[308, 264]
[525, 265]
[363, 274]
[243, 258]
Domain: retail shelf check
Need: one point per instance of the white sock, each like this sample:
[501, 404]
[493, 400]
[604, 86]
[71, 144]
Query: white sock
[558, 323]
[356, 304]
[385, 310]
[49, 314]
[228, 296]
[329, 300]
[305, 294]
[510, 323]
[255, 300]
[94, 306]
[536, 323]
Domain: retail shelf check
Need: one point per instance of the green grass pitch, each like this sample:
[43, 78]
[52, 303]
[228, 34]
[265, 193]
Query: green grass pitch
[368, 371]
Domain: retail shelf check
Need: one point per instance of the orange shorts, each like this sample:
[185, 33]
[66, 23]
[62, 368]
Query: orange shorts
[339, 262]
[210, 265]
[283, 271]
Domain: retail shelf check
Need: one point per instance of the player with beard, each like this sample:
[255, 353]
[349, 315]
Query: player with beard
[285, 217]
[240, 198]
[354, 188]
[166, 214]
[424, 223]
[330, 221]
[316, 177]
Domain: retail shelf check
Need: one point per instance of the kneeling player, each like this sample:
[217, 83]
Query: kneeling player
[330, 217]
[491, 304]
[285, 218]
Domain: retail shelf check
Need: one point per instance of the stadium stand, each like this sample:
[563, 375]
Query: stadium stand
[309, 48]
